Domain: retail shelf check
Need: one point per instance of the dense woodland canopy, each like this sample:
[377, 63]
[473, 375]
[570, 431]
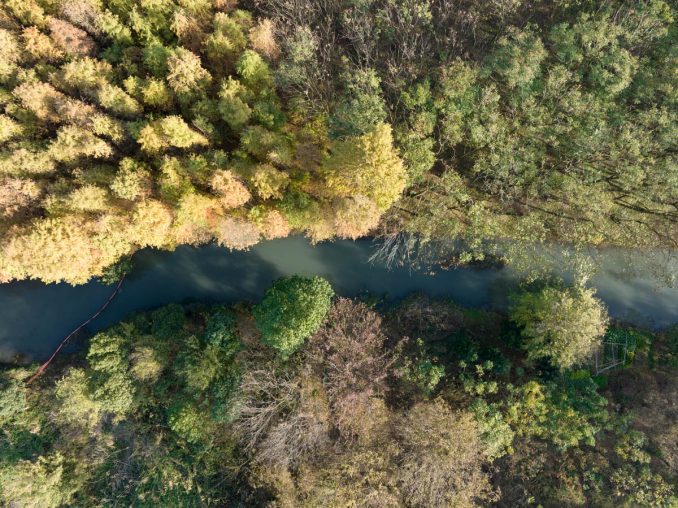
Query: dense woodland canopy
[127, 124]
[425, 405]
[155, 123]
[523, 120]
[134, 123]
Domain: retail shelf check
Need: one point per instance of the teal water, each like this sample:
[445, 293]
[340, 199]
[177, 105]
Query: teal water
[34, 317]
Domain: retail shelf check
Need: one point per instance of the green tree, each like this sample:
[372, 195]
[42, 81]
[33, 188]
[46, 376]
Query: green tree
[361, 108]
[233, 105]
[44, 482]
[254, 71]
[108, 357]
[563, 324]
[292, 309]
[568, 414]
[168, 322]
[415, 139]
[517, 58]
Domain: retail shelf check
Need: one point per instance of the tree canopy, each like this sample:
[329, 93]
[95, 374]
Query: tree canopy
[183, 406]
[565, 325]
[134, 124]
[292, 310]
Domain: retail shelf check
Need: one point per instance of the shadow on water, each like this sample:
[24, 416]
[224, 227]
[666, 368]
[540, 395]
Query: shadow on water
[34, 317]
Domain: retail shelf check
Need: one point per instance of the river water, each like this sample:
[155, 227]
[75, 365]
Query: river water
[34, 317]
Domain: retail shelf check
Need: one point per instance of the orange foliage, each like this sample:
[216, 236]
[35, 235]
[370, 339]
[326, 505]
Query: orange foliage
[262, 39]
[355, 216]
[17, 194]
[230, 189]
[272, 224]
[236, 234]
[71, 39]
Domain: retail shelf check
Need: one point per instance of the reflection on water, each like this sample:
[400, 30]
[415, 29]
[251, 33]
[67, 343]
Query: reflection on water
[34, 317]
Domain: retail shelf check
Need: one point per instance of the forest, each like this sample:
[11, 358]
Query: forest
[487, 129]
[127, 124]
[310, 399]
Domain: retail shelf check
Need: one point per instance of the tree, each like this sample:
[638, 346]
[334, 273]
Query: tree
[167, 322]
[361, 108]
[355, 216]
[517, 58]
[292, 309]
[642, 487]
[72, 248]
[43, 482]
[16, 195]
[73, 41]
[266, 145]
[227, 41]
[231, 190]
[189, 422]
[262, 39]
[40, 46]
[9, 54]
[268, 181]
[366, 165]
[186, 75]
[113, 386]
[132, 181]
[233, 104]
[441, 462]
[253, 71]
[568, 414]
[271, 223]
[88, 198]
[235, 233]
[156, 93]
[76, 404]
[170, 131]
[151, 223]
[349, 352]
[415, 139]
[73, 143]
[195, 218]
[563, 324]
[8, 128]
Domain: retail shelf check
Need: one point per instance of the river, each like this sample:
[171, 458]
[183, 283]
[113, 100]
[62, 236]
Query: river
[34, 317]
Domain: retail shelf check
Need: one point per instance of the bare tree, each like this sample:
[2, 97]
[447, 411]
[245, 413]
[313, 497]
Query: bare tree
[441, 463]
[349, 353]
[281, 418]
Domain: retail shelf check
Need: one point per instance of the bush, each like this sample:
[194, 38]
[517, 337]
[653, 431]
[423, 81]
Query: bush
[188, 422]
[220, 330]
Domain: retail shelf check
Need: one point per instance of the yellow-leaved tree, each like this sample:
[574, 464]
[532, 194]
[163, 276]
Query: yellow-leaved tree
[366, 165]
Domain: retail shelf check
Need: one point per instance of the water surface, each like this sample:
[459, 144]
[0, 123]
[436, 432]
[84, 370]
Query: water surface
[34, 317]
